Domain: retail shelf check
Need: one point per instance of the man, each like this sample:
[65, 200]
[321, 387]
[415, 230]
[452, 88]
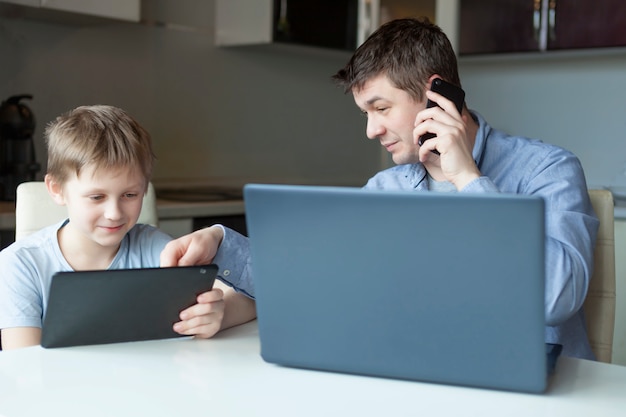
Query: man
[390, 77]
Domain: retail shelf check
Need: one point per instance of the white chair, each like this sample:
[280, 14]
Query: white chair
[35, 209]
[599, 306]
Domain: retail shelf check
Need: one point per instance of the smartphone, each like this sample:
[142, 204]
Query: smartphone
[449, 91]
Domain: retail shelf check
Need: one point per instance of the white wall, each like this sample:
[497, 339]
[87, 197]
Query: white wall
[254, 113]
[273, 112]
[577, 101]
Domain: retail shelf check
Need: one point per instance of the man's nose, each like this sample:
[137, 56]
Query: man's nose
[374, 129]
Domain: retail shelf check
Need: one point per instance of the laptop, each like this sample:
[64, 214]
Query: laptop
[120, 305]
[437, 287]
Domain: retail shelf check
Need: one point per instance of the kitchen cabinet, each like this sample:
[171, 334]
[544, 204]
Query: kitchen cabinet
[114, 9]
[178, 217]
[335, 24]
[182, 226]
[500, 26]
[237, 222]
[176, 227]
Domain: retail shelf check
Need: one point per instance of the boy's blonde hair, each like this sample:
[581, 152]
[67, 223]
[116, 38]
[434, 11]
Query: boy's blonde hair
[99, 136]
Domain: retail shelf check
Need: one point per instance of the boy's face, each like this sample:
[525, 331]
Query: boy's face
[103, 205]
[390, 115]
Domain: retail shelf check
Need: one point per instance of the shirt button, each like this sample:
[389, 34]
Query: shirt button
[226, 272]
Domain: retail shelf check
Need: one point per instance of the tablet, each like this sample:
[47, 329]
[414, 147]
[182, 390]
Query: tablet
[120, 305]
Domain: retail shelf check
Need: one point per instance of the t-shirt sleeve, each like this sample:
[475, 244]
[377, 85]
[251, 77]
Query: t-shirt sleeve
[21, 295]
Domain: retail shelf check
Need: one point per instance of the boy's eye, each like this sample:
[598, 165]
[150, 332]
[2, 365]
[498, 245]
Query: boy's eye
[96, 197]
[131, 195]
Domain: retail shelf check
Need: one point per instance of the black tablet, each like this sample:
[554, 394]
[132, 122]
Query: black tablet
[120, 305]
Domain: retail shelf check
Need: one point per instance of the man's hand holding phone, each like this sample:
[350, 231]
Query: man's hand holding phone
[443, 116]
[449, 91]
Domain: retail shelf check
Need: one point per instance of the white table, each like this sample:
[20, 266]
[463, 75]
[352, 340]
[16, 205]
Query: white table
[225, 376]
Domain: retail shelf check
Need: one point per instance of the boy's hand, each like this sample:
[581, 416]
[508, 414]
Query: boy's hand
[204, 319]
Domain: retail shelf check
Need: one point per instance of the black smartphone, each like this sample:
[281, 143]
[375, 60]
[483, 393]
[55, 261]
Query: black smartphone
[449, 91]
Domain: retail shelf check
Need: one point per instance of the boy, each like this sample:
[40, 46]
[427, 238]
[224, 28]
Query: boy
[99, 165]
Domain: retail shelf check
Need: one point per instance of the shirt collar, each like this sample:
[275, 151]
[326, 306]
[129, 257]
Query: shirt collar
[481, 137]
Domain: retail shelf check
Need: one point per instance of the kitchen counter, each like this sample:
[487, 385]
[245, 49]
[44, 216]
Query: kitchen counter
[178, 218]
[166, 210]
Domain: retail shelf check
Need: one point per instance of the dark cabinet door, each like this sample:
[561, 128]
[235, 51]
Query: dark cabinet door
[500, 26]
[497, 26]
[237, 222]
[323, 23]
[588, 24]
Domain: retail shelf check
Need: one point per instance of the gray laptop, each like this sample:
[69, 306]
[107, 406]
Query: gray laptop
[437, 287]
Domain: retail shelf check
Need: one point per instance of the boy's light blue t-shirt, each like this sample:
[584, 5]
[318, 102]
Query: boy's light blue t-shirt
[28, 266]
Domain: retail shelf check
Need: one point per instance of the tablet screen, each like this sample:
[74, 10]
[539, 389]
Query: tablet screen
[121, 305]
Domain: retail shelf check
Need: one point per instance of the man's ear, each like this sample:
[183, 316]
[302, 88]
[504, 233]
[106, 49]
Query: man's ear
[431, 78]
[55, 189]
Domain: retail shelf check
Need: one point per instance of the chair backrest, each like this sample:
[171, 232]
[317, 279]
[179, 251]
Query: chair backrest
[599, 306]
[35, 209]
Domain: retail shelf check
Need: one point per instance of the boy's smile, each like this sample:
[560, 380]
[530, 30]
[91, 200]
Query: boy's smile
[103, 205]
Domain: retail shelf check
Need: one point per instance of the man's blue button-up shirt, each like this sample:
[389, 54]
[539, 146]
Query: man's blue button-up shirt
[511, 164]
